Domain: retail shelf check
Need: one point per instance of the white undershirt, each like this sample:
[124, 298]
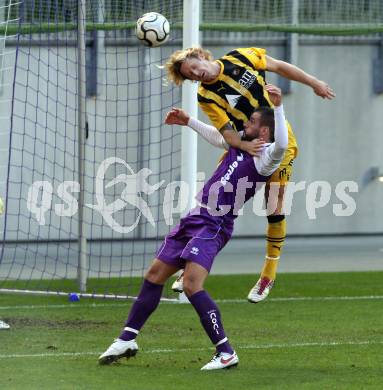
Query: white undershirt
[271, 156]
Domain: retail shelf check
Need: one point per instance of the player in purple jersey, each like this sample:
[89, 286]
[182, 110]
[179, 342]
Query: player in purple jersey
[193, 244]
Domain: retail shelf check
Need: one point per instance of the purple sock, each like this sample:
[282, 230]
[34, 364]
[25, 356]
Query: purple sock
[211, 320]
[142, 308]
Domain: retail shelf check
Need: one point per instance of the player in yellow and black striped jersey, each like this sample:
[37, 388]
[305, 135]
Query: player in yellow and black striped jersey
[231, 88]
[237, 90]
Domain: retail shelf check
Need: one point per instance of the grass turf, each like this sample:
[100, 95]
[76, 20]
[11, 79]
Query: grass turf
[297, 344]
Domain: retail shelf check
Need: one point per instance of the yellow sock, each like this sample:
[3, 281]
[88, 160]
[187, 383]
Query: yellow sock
[276, 234]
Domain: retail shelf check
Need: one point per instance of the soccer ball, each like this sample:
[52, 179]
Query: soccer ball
[152, 29]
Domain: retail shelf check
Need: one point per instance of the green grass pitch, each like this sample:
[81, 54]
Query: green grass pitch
[329, 335]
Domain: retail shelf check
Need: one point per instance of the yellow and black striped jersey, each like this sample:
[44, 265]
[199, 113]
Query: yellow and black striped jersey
[237, 90]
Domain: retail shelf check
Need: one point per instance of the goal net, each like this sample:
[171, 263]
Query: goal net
[130, 157]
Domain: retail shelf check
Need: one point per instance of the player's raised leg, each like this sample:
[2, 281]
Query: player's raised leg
[210, 317]
[275, 238]
[147, 301]
[276, 229]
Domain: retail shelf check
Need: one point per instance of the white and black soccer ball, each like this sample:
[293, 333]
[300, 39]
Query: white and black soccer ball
[152, 29]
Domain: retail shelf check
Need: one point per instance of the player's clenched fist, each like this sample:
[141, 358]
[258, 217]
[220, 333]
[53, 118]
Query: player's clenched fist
[177, 116]
[275, 94]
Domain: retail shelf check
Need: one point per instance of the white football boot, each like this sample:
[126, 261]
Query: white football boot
[119, 349]
[178, 285]
[4, 325]
[222, 360]
[261, 290]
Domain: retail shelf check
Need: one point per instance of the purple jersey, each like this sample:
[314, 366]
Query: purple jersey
[206, 229]
[232, 184]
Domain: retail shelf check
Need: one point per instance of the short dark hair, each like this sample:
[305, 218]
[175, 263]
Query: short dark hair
[267, 119]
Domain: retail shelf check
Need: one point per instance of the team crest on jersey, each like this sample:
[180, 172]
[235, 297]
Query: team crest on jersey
[236, 72]
[233, 99]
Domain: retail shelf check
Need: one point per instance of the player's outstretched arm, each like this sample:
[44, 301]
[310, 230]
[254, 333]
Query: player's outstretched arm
[177, 116]
[216, 138]
[294, 73]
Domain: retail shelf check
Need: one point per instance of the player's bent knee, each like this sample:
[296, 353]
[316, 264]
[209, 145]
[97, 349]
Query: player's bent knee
[159, 272]
[194, 278]
[191, 290]
[152, 275]
[192, 286]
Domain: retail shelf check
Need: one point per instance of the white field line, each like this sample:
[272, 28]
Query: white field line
[292, 299]
[96, 305]
[175, 350]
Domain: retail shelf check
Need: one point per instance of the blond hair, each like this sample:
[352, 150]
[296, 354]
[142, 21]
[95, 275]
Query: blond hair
[174, 62]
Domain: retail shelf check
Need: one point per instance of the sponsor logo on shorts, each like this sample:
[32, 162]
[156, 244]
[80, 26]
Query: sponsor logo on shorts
[194, 250]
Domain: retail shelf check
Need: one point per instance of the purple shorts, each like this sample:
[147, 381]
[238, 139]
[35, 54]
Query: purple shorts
[197, 238]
